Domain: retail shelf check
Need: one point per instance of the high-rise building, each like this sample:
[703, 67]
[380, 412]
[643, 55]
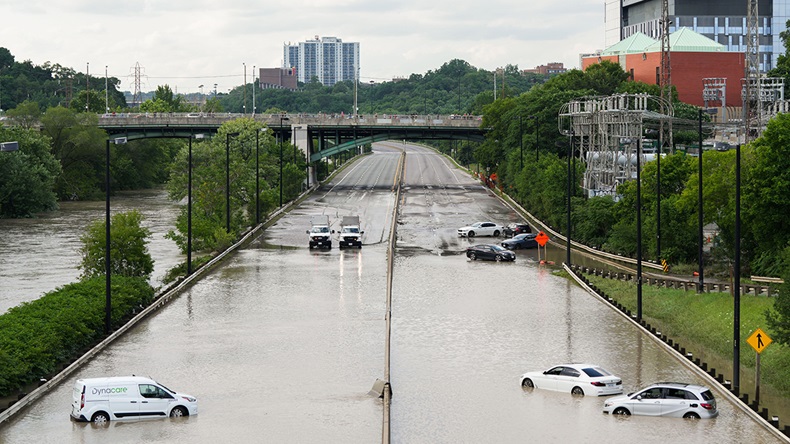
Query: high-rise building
[328, 58]
[723, 21]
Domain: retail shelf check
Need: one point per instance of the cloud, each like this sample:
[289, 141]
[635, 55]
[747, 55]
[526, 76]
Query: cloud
[188, 43]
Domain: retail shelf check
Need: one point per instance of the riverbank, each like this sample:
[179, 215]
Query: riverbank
[703, 324]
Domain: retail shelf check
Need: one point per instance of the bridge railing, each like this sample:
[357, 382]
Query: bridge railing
[211, 119]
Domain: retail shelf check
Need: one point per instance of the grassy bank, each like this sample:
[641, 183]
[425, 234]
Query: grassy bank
[703, 324]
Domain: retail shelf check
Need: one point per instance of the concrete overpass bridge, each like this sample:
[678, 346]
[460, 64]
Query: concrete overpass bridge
[317, 135]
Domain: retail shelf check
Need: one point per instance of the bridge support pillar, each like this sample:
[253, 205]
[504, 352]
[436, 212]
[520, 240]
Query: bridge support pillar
[300, 137]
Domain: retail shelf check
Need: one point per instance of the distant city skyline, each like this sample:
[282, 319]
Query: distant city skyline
[187, 44]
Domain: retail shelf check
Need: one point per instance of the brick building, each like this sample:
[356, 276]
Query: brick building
[693, 57]
[284, 78]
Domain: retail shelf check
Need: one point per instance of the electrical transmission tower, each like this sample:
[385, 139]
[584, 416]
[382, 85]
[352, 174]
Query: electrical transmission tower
[137, 98]
[752, 121]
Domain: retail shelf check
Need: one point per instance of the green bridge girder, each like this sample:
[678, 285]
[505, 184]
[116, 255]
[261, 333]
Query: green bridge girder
[383, 134]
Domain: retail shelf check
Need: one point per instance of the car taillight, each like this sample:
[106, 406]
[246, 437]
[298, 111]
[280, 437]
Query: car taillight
[598, 384]
[82, 401]
[707, 406]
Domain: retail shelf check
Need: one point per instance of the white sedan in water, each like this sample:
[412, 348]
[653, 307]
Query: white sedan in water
[578, 379]
[481, 229]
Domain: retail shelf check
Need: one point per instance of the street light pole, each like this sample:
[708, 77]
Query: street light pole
[106, 92]
[736, 325]
[282, 117]
[537, 136]
[107, 268]
[227, 182]
[638, 229]
[189, 209]
[568, 246]
[227, 179]
[700, 285]
[257, 182]
[521, 143]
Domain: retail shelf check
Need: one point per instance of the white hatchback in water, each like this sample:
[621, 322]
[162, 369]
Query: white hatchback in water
[101, 400]
[578, 379]
[674, 399]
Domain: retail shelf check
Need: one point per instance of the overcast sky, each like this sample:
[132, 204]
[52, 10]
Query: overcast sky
[187, 43]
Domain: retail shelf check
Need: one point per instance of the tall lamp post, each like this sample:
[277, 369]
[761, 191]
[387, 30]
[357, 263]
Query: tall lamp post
[521, 143]
[257, 178]
[570, 190]
[537, 136]
[638, 229]
[282, 118]
[227, 179]
[700, 233]
[189, 203]
[107, 268]
[736, 324]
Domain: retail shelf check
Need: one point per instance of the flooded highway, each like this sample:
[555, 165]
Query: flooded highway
[283, 343]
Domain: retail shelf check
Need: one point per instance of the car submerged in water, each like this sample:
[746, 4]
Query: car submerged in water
[577, 379]
[672, 399]
[490, 252]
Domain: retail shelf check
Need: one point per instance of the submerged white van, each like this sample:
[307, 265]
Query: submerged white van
[104, 399]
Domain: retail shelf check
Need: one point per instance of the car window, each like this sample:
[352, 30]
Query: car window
[595, 372]
[707, 395]
[652, 393]
[673, 393]
[554, 371]
[567, 371]
[497, 248]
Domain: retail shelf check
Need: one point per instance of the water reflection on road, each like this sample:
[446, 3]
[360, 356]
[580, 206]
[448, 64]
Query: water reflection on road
[38, 255]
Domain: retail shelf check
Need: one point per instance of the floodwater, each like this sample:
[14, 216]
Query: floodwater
[41, 254]
[283, 343]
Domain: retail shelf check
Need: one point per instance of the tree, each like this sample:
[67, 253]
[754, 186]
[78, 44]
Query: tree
[778, 317]
[26, 175]
[128, 247]
[209, 206]
[165, 101]
[765, 196]
[26, 114]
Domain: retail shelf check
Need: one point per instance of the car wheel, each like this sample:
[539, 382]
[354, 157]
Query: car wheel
[472, 256]
[470, 234]
[100, 418]
[178, 412]
[498, 258]
[527, 383]
[496, 233]
[621, 411]
[691, 415]
[577, 391]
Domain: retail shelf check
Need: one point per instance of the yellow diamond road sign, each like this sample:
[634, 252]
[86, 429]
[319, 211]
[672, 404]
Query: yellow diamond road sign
[759, 340]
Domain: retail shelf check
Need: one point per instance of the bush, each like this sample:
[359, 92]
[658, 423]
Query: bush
[38, 336]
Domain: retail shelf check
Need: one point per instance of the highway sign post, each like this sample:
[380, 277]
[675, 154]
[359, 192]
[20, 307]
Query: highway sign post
[541, 239]
[759, 341]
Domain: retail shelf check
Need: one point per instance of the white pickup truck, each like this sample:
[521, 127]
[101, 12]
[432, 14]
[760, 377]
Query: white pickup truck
[350, 233]
[320, 234]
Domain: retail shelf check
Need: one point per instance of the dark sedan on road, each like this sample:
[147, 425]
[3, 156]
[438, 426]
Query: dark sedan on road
[526, 240]
[516, 228]
[490, 252]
